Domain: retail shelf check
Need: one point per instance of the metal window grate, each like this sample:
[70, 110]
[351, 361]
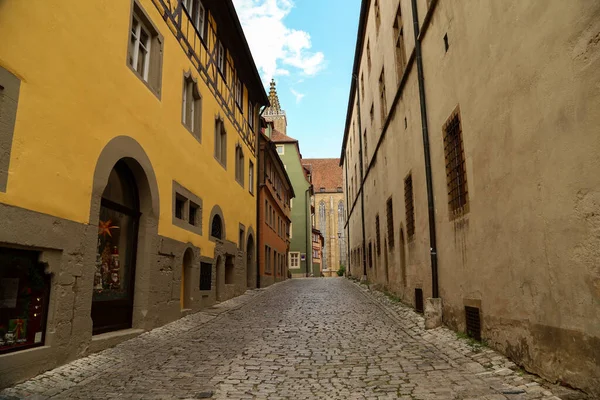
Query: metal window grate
[456, 176]
[390, 223]
[205, 276]
[377, 235]
[419, 300]
[410, 208]
[473, 322]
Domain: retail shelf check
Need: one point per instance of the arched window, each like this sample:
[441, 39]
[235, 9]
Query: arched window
[216, 229]
[323, 229]
[341, 235]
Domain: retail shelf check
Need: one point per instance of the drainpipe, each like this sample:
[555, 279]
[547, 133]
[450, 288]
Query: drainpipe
[307, 199]
[348, 258]
[362, 189]
[430, 201]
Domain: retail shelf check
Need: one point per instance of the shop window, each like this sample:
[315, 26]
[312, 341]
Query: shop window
[112, 301]
[24, 294]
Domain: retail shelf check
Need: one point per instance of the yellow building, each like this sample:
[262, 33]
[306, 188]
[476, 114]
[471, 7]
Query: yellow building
[127, 156]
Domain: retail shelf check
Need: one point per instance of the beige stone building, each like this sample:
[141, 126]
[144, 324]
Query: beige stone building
[471, 158]
[330, 210]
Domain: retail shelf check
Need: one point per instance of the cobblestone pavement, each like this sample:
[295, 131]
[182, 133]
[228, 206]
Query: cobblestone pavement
[300, 339]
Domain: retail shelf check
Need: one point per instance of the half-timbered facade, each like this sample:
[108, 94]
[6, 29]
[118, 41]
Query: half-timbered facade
[127, 176]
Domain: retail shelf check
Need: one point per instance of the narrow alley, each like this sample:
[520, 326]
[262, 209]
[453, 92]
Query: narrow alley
[299, 339]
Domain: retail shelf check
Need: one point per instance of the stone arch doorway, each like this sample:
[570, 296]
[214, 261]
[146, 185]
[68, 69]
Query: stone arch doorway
[250, 264]
[185, 298]
[114, 277]
[125, 208]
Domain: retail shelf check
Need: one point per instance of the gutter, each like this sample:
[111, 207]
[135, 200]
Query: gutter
[362, 181]
[428, 177]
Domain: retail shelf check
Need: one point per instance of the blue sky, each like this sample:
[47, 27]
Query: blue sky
[308, 47]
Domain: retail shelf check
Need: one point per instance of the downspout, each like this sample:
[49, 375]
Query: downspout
[430, 200]
[307, 199]
[348, 258]
[362, 189]
[259, 187]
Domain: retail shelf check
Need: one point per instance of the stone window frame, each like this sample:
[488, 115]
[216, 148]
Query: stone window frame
[216, 210]
[241, 237]
[10, 87]
[190, 200]
[239, 164]
[190, 82]
[280, 147]
[154, 79]
[251, 177]
[220, 152]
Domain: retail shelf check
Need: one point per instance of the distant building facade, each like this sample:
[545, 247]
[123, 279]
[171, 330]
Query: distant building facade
[317, 252]
[330, 211]
[299, 259]
[274, 198]
[127, 195]
[473, 181]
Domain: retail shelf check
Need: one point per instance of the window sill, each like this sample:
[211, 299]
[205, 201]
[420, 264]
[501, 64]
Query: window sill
[183, 224]
[155, 91]
[222, 164]
[196, 135]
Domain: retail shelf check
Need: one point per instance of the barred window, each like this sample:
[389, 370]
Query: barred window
[390, 223]
[377, 236]
[456, 176]
[409, 205]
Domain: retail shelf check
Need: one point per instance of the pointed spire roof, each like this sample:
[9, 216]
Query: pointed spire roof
[274, 107]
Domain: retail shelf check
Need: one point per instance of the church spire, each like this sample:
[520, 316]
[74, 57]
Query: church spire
[275, 107]
[274, 113]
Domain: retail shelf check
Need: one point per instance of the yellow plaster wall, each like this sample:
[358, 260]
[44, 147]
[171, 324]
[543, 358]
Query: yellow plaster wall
[77, 93]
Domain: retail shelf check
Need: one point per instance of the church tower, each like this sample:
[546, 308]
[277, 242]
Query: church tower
[274, 113]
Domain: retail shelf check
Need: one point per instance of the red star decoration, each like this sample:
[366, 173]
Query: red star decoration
[105, 227]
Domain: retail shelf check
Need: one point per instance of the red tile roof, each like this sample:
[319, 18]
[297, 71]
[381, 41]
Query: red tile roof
[326, 173]
[279, 137]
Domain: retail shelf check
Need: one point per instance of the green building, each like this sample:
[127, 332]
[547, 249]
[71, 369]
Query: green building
[300, 254]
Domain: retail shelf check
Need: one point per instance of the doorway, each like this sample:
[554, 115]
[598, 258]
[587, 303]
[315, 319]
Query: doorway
[114, 277]
[186, 280]
[250, 262]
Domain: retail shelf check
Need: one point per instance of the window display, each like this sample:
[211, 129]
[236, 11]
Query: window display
[24, 290]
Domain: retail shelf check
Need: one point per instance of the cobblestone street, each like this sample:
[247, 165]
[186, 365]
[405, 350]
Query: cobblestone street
[300, 339]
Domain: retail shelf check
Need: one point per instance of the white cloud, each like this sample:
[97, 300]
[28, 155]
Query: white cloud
[298, 96]
[272, 43]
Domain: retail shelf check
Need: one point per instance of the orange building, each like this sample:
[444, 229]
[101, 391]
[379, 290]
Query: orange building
[274, 212]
